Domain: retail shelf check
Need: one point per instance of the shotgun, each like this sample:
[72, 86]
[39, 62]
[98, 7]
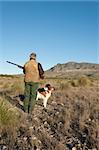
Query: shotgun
[15, 64]
[41, 71]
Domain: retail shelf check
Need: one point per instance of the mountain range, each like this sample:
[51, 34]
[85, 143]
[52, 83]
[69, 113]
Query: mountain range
[73, 69]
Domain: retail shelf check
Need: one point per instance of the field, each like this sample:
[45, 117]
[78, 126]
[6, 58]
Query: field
[70, 121]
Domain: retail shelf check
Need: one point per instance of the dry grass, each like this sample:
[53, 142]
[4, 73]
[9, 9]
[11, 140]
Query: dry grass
[12, 84]
[79, 100]
[72, 110]
[11, 119]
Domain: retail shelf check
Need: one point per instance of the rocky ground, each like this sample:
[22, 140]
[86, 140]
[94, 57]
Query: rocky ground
[70, 122]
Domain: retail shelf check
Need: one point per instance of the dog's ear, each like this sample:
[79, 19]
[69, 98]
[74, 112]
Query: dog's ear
[47, 85]
[53, 88]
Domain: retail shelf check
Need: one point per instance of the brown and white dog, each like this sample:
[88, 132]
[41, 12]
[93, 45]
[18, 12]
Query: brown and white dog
[45, 93]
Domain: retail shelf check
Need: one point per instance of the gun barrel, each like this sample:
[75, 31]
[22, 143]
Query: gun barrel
[15, 64]
[11, 63]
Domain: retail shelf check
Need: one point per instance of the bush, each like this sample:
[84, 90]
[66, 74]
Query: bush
[17, 87]
[10, 122]
[64, 86]
[74, 83]
[8, 115]
[84, 81]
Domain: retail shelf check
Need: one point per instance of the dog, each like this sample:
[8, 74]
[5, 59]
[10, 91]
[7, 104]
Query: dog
[45, 93]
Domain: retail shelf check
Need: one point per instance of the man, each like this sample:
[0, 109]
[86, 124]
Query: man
[33, 72]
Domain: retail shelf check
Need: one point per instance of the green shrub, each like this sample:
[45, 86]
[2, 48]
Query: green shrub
[8, 115]
[10, 122]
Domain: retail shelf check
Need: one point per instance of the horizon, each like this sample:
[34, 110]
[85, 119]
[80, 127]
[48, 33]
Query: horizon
[54, 66]
[58, 32]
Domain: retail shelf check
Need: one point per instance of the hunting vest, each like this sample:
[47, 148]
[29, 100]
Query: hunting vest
[31, 71]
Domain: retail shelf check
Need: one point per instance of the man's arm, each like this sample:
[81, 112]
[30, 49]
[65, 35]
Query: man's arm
[24, 70]
[41, 71]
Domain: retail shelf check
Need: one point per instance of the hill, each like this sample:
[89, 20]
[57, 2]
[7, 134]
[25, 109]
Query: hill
[73, 69]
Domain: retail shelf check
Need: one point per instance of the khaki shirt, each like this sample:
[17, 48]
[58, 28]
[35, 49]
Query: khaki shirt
[31, 71]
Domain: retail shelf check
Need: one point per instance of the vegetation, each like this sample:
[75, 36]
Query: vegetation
[72, 114]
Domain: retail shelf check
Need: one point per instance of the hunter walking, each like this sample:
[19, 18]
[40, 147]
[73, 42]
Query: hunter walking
[33, 72]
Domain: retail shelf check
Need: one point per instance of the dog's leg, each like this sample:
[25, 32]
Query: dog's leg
[37, 97]
[45, 102]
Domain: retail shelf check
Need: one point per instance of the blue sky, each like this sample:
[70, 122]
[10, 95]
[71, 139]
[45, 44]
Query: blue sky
[57, 31]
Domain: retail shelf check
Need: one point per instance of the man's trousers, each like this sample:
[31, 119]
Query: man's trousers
[30, 96]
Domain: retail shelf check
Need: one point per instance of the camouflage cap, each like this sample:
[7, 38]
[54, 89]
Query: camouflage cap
[33, 56]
